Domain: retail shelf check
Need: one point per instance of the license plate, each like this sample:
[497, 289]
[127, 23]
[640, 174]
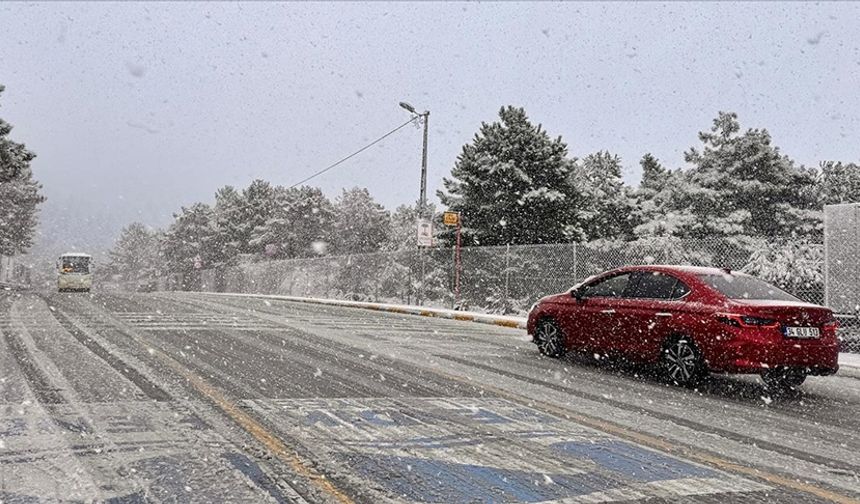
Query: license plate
[801, 332]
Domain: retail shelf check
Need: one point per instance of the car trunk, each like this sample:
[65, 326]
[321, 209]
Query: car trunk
[787, 313]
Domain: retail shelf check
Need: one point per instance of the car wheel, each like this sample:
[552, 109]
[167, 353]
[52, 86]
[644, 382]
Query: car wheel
[550, 339]
[783, 379]
[682, 362]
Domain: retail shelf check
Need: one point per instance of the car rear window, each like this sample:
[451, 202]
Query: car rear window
[746, 287]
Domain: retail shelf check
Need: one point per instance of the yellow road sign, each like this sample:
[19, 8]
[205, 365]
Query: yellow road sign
[451, 218]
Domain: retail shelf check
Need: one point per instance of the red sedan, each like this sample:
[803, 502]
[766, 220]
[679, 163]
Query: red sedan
[690, 321]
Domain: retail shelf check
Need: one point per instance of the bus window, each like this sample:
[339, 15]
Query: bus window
[73, 264]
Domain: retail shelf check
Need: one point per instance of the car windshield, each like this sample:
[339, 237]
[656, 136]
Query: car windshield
[735, 286]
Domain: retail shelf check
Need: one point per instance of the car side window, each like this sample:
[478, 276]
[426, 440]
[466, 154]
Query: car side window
[658, 285]
[613, 286]
[680, 291]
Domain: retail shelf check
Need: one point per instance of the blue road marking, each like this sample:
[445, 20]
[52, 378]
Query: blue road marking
[437, 481]
[632, 461]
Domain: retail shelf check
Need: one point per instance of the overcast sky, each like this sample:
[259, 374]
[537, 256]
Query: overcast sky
[137, 108]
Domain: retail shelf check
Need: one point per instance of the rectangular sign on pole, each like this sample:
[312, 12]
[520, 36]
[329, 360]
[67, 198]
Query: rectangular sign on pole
[425, 233]
[451, 218]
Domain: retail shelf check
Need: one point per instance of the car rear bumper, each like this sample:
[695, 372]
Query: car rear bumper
[755, 357]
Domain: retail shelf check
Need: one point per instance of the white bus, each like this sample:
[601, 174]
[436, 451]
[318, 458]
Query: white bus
[74, 272]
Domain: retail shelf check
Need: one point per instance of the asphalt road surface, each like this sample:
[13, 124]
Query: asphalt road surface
[180, 397]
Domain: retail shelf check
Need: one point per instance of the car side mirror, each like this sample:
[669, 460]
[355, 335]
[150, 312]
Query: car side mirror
[577, 294]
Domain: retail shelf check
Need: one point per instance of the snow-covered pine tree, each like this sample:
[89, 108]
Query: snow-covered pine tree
[658, 197]
[300, 225]
[606, 210]
[19, 194]
[228, 212]
[314, 216]
[256, 207]
[512, 185]
[743, 185]
[839, 183]
[135, 255]
[361, 224]
[189, 242]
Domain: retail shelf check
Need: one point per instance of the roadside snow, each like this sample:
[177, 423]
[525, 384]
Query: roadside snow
[846, 360]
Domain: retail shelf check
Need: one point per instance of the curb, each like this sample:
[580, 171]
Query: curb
[465, 316]
[846, 361]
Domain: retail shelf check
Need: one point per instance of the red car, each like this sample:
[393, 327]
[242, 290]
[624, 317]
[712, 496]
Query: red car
[690, 321]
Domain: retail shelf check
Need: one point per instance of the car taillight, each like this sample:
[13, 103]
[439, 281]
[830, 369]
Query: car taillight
[831, 322]
[736, 320]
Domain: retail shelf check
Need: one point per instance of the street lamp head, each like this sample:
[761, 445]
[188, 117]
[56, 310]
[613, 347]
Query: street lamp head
[408, 107]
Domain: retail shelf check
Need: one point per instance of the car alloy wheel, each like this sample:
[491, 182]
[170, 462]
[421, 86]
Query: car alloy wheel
[682, 362]
[549, 339]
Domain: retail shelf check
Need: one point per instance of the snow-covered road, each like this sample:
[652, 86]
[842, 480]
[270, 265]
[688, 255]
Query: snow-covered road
[180, 397]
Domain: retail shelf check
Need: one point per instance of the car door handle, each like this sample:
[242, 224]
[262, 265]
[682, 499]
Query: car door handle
[663, 314]
[607, 311]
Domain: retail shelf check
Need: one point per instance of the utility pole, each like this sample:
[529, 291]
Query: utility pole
[426, 115]
[426, 119]
[422, 202]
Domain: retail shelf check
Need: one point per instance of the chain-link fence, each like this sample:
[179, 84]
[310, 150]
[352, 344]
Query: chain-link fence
[508, 279]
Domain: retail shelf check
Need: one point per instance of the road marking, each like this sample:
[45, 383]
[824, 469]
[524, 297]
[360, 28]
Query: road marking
[245, 421]
[256, 429]
[484, 449]
[657, 443]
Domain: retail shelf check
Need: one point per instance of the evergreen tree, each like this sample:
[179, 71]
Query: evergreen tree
[301, 224]
[135, 256]
[188, 242]
[739, 185]
[512, 185]
[19, 194]
[657, 199]
[361, 224]
[228, 213]
[744, 185]
[839, 183]
[255, 208]
[654, 175]
[606, 209]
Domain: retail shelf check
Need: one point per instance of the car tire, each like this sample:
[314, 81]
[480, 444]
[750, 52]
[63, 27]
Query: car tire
[783, 379]
[550, 339]
[682, 362]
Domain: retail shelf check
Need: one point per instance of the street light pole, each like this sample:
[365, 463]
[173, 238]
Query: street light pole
[422, 209]
[426, 117]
